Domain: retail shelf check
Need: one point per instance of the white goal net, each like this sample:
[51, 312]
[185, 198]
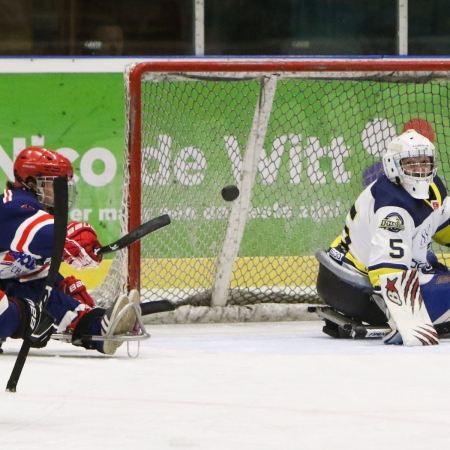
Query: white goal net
[299, 138]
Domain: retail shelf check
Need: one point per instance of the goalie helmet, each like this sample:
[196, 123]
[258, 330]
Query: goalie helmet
[40, 166]
[411, 160]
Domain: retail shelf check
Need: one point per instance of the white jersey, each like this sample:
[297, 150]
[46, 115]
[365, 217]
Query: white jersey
[387, 230]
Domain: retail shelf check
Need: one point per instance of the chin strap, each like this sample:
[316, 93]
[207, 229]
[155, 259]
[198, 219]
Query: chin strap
[47, 208]
[25, 185]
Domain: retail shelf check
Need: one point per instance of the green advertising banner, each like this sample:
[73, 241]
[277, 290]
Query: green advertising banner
[81, 115]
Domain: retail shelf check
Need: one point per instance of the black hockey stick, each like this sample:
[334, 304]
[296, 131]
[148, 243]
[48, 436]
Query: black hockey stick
[356, 330]
[61, 203]
[136, 234]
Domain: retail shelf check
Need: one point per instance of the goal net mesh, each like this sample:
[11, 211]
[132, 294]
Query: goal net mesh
[300, 146]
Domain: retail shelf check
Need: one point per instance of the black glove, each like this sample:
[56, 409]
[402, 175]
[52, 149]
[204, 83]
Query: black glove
[36, 326]
[435, 264]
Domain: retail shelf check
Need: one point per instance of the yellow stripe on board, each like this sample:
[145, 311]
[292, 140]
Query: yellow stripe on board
[185, 273]
[90, 277]
[194, 273]
[247, 271]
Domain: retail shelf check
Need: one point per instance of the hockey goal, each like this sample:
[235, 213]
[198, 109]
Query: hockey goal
[299, 137]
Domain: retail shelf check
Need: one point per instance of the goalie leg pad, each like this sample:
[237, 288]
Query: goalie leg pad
[407, 310]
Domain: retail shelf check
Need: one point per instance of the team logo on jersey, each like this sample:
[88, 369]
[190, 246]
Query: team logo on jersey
[8, 259]
[392, 292]
[393, 222]
[336, 254]
[435, 204]
[443, 279]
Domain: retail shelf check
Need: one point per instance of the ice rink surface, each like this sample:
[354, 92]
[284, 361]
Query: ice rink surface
[230, 386]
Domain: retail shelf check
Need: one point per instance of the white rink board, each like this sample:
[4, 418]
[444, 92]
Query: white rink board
[255, 386]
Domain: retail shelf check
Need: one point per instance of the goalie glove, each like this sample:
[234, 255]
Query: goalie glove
[77, 290]
[36, 326]
[81, 243]
[408, 314]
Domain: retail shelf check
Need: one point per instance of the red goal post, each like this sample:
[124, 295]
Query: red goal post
[299, 137]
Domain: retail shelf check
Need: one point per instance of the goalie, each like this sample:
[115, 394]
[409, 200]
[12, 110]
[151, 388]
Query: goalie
[387, 238]
[26, 242]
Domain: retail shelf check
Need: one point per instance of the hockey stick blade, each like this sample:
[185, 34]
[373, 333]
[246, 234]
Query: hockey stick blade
[136, 234]
[157, 306]
[61, 203]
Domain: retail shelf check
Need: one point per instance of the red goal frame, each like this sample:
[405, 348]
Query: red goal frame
[340, 67]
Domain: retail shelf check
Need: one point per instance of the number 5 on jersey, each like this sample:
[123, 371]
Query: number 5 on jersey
[397, 249]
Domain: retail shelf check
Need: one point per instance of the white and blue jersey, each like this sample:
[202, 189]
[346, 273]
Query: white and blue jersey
[387, 230]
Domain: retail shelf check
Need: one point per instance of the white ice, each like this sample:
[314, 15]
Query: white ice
[274, 386]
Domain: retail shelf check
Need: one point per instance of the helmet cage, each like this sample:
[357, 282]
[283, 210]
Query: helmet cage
[411, 171]
[45, 194]
[415, 181]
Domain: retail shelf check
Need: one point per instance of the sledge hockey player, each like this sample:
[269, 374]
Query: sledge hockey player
[26, 242]
[386, 240]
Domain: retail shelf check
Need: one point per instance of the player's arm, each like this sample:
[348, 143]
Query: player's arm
[33, 233]
[34, 236]
[442, 235]
[391, 243]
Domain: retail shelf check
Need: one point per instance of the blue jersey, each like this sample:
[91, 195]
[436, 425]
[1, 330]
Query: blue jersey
[26, 236]
[26, 245]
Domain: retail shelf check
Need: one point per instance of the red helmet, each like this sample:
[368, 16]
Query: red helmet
[39, 162]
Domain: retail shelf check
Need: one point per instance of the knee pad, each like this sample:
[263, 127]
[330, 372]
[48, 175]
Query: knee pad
[83, 328]
[350, 299]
